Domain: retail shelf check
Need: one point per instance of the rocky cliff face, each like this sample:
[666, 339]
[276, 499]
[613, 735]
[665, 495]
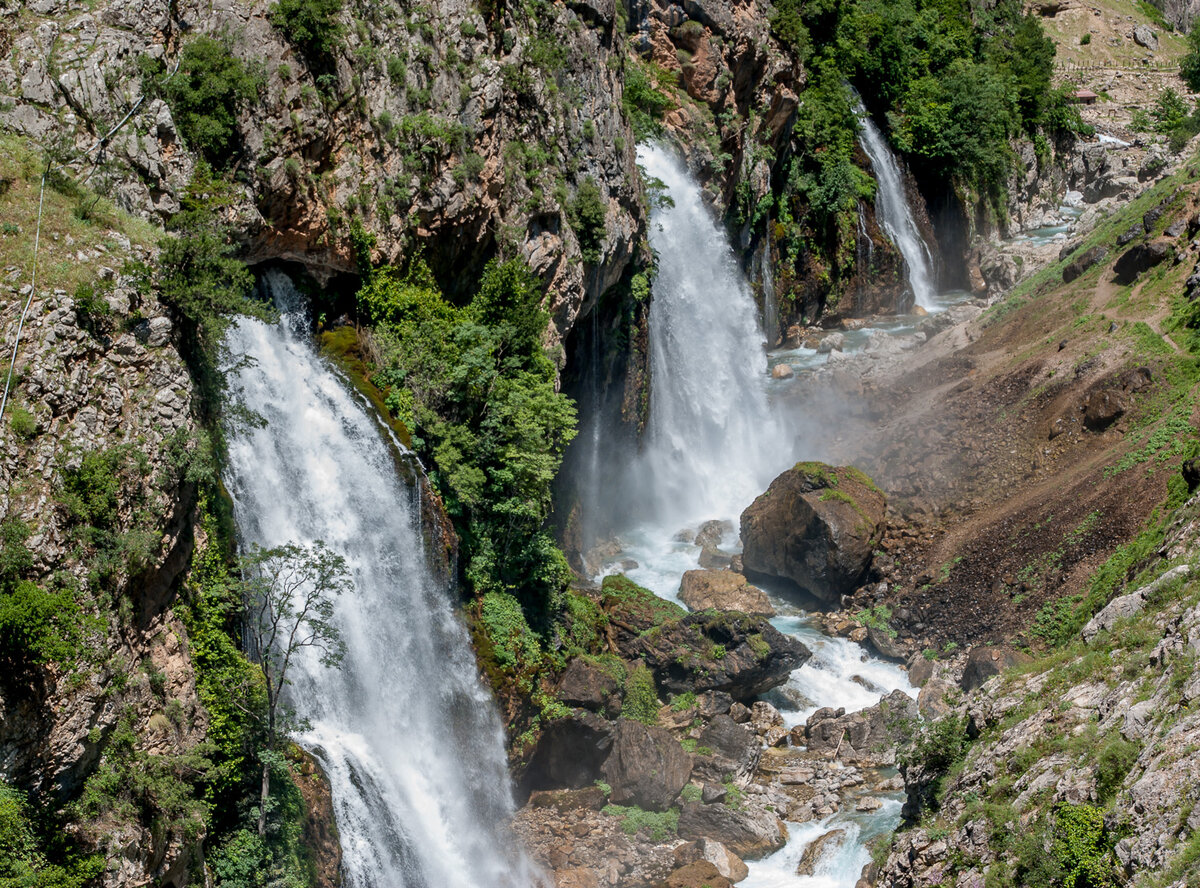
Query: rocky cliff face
[94, 459]
[1103, 780]
[433, 126]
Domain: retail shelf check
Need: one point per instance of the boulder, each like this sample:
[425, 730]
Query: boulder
[569, 753]
[984, 661]
[831, 343]
[1138, 259]
[711, 533]
[727, 863]
[1103, 408]
[1082, 263]
[782, 371]
[587, 685]
[868, 736]
[749, 832]
[1144, 36]
[722, 590]
[697, 874]
[934, 698]
[817, 526]
[732, 752]
[647, 767]
[825, 843]
[742, 655]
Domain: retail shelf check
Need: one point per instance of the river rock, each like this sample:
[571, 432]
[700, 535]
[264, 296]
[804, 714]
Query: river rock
[831, 343]
[732, 753]
[868, 736]
[722, 590]
[985, 661]
[749, 831]
[817, 526]
[817, 848]
[697, 874]
[647, 766]
[742, 655]
[711, 533]
[782, 371]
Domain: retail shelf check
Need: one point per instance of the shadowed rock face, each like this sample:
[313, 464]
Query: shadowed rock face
[817, 526]
[647, 766]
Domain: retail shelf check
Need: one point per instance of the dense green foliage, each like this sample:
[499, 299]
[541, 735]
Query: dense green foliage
[644, 105]
[955, 83]
[588, 212]
[1172, 116]
[202, 282]
[33, 851]
[477, 390]
[1189, 65]
[206, 94]
[641, 698]
[310, 25]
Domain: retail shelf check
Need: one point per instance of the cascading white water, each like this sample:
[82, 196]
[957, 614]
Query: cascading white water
[895, 215]
[407, 735]
[707, 365]
[714, 442]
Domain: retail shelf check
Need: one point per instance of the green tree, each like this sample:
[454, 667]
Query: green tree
[310, 25]
[1189, 65]
[289, 593]
[206, 94]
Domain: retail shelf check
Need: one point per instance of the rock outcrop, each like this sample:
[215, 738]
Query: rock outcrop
[817, 526]
[647, 767]
[722, 590]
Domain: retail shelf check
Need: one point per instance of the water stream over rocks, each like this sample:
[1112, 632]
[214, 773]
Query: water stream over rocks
[895, 214]
[407, 735]
[714, 442]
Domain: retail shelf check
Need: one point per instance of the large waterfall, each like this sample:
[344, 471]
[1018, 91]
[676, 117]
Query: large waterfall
[895, 215]
[407, 735]
[707, 365]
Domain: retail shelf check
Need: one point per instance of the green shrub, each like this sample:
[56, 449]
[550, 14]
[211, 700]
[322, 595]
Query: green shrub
[205, 95]
[513, 641]
[641, 697]
[33, 857]
[644, 105]
[92, 311]
[588, 213]
[22, 422]
[660, 826]
[1085, 39]
[310, 25]
[1113, 762]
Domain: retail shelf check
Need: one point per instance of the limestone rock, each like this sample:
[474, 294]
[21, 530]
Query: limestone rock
[749, 832]
[984, 661]
[587, 685]
[868, 736]
[722, 590]
[817, 526]
[698, 874]
[742, 655]
[825, 843]
[1082, 263]
[647, 766]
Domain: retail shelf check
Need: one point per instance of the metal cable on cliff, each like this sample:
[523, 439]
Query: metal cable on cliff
[37, 240]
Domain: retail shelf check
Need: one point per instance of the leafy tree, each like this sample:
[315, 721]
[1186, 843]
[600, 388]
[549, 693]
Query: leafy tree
[211, 86]
[588, 213]
[1189, 65]
[289, 594]
[477, 390]
[310, 25]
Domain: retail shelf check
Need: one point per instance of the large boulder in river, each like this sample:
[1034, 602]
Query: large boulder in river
[748, 831]
[722, 590]
[647, 766]
[742, 655]
[817, 526]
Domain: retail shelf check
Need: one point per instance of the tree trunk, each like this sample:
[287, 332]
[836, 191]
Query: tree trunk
[266, 792]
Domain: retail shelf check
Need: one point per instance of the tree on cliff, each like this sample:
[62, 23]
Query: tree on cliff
[289, 594]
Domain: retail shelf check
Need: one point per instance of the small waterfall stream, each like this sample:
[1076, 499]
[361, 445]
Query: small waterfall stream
[715, 441]
[895, 215]
[407, 735]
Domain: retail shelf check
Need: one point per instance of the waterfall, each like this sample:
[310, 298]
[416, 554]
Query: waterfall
[408, 736]
[895, 215]
[708, 367]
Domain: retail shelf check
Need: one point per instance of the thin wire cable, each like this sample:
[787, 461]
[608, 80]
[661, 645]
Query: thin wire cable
[37, 242]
